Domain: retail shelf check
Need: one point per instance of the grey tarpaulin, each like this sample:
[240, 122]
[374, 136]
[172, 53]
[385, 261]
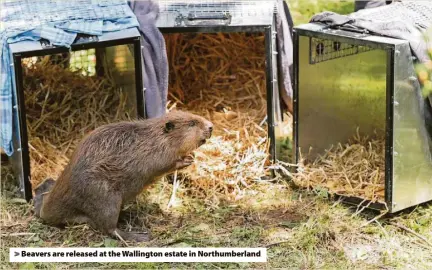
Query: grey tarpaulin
[406, 20]
[284, 26]
[155, 60]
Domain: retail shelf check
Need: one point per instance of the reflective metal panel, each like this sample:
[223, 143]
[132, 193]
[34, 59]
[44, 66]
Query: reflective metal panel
[338, 95]
[120, 62]
[412, 165]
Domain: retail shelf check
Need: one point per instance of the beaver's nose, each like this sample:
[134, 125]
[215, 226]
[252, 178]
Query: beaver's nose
[210, 127]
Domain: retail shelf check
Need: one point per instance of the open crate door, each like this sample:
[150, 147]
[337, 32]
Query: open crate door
[412, 145]
[348, 81]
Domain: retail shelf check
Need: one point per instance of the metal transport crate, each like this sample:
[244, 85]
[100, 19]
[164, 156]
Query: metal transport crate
[228, 16]
[118, 53]
[347, 80]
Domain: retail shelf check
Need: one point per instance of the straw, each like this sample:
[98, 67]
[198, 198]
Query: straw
[354, 169]
[222, 77]
[62, 106]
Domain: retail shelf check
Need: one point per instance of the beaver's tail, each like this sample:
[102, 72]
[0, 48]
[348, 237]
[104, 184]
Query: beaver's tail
[40, 191]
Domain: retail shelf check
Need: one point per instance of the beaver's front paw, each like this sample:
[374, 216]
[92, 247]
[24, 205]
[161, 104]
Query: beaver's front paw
[184, 162]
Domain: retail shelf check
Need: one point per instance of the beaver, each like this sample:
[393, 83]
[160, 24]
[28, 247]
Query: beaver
[115, 163]
[40, 191]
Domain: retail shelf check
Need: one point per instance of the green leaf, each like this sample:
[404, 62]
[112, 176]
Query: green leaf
[108, 242]
[322, 192]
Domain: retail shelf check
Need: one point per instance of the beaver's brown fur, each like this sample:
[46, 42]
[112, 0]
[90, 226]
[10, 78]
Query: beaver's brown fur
[114, 163]
[40, 192]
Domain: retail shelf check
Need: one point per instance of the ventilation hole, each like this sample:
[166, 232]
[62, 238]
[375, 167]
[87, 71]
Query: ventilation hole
[320, 48]
[337, 46]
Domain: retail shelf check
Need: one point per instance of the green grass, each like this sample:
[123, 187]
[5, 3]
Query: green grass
[301, 231]
[303, 10]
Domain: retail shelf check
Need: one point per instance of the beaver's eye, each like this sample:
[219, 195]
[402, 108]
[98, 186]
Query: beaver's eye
[192, 123]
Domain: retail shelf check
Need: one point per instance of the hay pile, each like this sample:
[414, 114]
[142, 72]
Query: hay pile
[222, 77]
[62, 106]
[352, 169]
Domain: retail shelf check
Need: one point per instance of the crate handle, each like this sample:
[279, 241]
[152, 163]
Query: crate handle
[206, 19]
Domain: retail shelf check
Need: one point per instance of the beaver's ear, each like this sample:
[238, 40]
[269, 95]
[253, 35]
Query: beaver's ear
[169, 126]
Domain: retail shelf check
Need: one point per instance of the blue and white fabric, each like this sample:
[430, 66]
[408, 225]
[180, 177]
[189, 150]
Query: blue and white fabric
[58, 21]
